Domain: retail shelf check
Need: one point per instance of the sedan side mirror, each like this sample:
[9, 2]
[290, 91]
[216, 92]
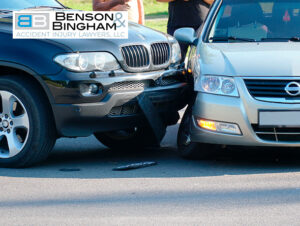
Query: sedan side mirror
[186, 35]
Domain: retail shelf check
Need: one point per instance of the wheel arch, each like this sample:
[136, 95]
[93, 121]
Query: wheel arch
[7, 68]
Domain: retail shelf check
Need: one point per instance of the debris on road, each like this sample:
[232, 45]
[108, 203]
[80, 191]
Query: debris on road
[135, 166]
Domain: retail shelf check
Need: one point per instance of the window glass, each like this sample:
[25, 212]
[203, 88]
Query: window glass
[257, 19]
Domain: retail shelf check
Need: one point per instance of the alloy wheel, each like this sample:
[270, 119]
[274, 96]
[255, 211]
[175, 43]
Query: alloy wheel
[14, 125]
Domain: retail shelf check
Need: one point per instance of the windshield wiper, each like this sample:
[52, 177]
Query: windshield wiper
[292, 39]
[232, 38]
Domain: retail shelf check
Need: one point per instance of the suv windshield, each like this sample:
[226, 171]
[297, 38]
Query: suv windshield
[258, 20]
[23, 4]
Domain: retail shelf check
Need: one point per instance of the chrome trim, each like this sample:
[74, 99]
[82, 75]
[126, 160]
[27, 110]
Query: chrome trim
[122, 76]
[144, 53]
[289, 89]
[151, 66]
[134, 69]
[270, 77]
[279, 133]
[162, 52]
[155, 67]
[281, 100]
[277, 100]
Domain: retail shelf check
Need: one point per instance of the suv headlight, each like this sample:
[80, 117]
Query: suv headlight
[176, 53]
[221, 85]
[175, 50]
[85, 62]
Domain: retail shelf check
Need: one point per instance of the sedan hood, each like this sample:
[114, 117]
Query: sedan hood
[250, 59]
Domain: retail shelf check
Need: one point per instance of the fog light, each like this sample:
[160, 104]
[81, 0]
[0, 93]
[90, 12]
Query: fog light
[210, 125]
[221, 127]
[89, 90]
[93, 88]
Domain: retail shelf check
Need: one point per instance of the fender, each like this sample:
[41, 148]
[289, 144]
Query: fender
[31, 73]
[36, 54]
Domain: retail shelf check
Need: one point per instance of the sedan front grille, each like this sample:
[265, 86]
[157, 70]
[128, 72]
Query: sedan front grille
[269, 88]
[277, 134]
[136, 56]
[160, 53]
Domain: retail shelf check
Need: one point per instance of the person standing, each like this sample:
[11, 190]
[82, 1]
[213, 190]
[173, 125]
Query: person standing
[135, 8]
[186, 13]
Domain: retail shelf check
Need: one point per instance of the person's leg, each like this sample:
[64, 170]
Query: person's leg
[170, 31]
[183, 47]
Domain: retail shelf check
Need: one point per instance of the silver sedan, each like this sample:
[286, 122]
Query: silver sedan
[245, 64]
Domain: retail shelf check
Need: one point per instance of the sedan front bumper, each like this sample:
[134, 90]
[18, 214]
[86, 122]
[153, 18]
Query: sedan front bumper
[243, 111]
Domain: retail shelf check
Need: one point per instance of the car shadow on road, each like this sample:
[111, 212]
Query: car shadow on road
[86, 158]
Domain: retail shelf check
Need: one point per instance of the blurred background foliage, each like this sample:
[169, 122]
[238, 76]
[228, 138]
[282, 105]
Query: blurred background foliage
[155, 13]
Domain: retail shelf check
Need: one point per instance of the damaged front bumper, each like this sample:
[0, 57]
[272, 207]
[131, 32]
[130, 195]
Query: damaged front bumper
[126, 101]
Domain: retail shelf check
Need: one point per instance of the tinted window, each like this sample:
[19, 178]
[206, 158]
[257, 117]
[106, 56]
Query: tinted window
[22, 4]
[257, 19]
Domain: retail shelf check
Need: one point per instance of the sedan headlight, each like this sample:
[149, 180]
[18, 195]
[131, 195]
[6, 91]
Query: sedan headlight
[220, 85]
[84, 62]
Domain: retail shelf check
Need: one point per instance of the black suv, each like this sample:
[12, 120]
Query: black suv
[125, 92]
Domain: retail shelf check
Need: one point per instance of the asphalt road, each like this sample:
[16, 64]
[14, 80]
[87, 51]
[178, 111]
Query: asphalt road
[235, 187]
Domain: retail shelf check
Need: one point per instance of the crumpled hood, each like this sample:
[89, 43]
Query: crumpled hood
[250, 59]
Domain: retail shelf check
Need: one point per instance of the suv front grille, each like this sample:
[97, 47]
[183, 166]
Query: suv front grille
[166, 81]
[160, 53]
[136, 56]
[268, 88]
[277, 134]
[129, 86]
[126, 109]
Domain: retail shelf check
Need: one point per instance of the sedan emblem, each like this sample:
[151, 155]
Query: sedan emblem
[293, 88]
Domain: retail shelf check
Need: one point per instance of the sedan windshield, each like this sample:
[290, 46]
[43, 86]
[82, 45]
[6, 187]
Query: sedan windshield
[23, 4]
[258, 20]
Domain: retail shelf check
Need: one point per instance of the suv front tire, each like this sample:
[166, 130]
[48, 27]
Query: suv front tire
[27, 132]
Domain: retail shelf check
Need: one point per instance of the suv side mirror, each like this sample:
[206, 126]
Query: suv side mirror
[186, 35]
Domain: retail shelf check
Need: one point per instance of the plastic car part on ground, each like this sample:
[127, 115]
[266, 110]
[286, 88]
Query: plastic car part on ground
[135, 166]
